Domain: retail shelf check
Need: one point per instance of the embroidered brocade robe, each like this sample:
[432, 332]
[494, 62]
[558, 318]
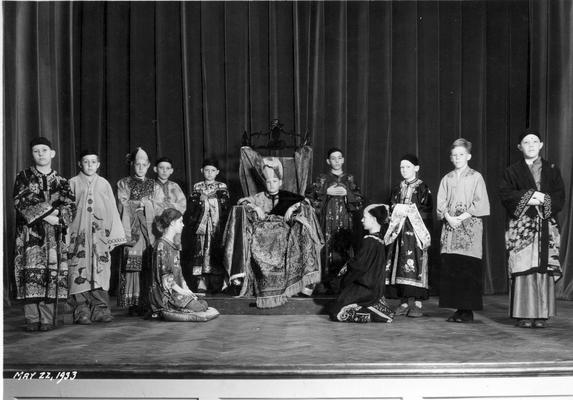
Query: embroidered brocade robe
[335, 212]
[41, 261]
[407, 256]
[456, 195]
[169, 195]
[94, 232]
[166, 267]
[206, 221]
[532, 237]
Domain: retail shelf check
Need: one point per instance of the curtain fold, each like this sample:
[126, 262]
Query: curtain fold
[378, 79]
[551, 105]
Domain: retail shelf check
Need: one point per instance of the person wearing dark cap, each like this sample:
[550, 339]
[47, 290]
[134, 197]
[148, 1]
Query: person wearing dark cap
[168, 193]
[208, 208]
[94, 232]
[44, 209]
[337, 200]
[409, 239]
[532, 192]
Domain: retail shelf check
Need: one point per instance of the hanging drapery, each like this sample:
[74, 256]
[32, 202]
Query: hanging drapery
[379, 79]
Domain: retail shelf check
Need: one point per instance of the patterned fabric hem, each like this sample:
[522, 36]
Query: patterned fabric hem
[116, 242]
[271, 301]
[383, 313]
[237, 276]
[308, 279]
[409, 282]
[553, 271]
[352, 313]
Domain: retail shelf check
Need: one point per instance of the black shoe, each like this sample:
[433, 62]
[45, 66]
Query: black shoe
[32, 327]
[46, 327]
[84, 320]
[465, 316]
[454, 316]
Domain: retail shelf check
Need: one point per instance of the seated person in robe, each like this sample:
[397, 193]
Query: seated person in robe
[284, 241]
[363, 277]
[169, 294]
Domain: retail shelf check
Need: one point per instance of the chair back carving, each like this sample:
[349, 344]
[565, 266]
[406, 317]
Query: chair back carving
[292, 149]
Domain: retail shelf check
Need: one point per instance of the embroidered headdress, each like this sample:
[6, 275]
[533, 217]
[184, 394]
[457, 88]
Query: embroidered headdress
[137, 154]
[272, 167]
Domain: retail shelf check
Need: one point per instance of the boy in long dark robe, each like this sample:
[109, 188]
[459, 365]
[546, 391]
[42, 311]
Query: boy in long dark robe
[362, 296]
[409, 236]
[208, 208]
[532, 192]
[44, 209]
[337, 200]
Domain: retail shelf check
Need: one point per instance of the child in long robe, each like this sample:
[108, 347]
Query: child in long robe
[169, 295]
[136, 195]
[462, 203]
[94, 232]
[44, 209]
[532, 192]
[337, 200]
[208, 208]
[409, 237]
[363, 278]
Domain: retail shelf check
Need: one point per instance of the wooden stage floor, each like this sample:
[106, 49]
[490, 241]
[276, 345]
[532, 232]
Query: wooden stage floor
[295, 341]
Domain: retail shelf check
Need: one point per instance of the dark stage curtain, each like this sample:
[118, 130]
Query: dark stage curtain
[378, 79]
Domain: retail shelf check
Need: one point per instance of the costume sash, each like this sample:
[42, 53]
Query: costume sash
[399, 215]
[524, 242]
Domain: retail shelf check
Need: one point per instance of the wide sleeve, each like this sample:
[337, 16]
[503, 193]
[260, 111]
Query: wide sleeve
[27, 199]
[479, 205]
[163, 268]
[179, 201]
[65, 202]
[317, 192]
[365, 257]
[426, 204]
[223, 198]
[555, 197]
[195, 209]
[442, 200]
[156, 201]
[123, 194]
[513, 198]
[354, 196]
[114, 232]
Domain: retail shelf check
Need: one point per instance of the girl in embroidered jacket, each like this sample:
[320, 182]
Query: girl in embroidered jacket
[94, 232]
[337, 200]
[169, 291]
[44, 209]
[208, 209]
[461, 204]
[362, 296]
[409, 238]
[137, 209]
[532, 192]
